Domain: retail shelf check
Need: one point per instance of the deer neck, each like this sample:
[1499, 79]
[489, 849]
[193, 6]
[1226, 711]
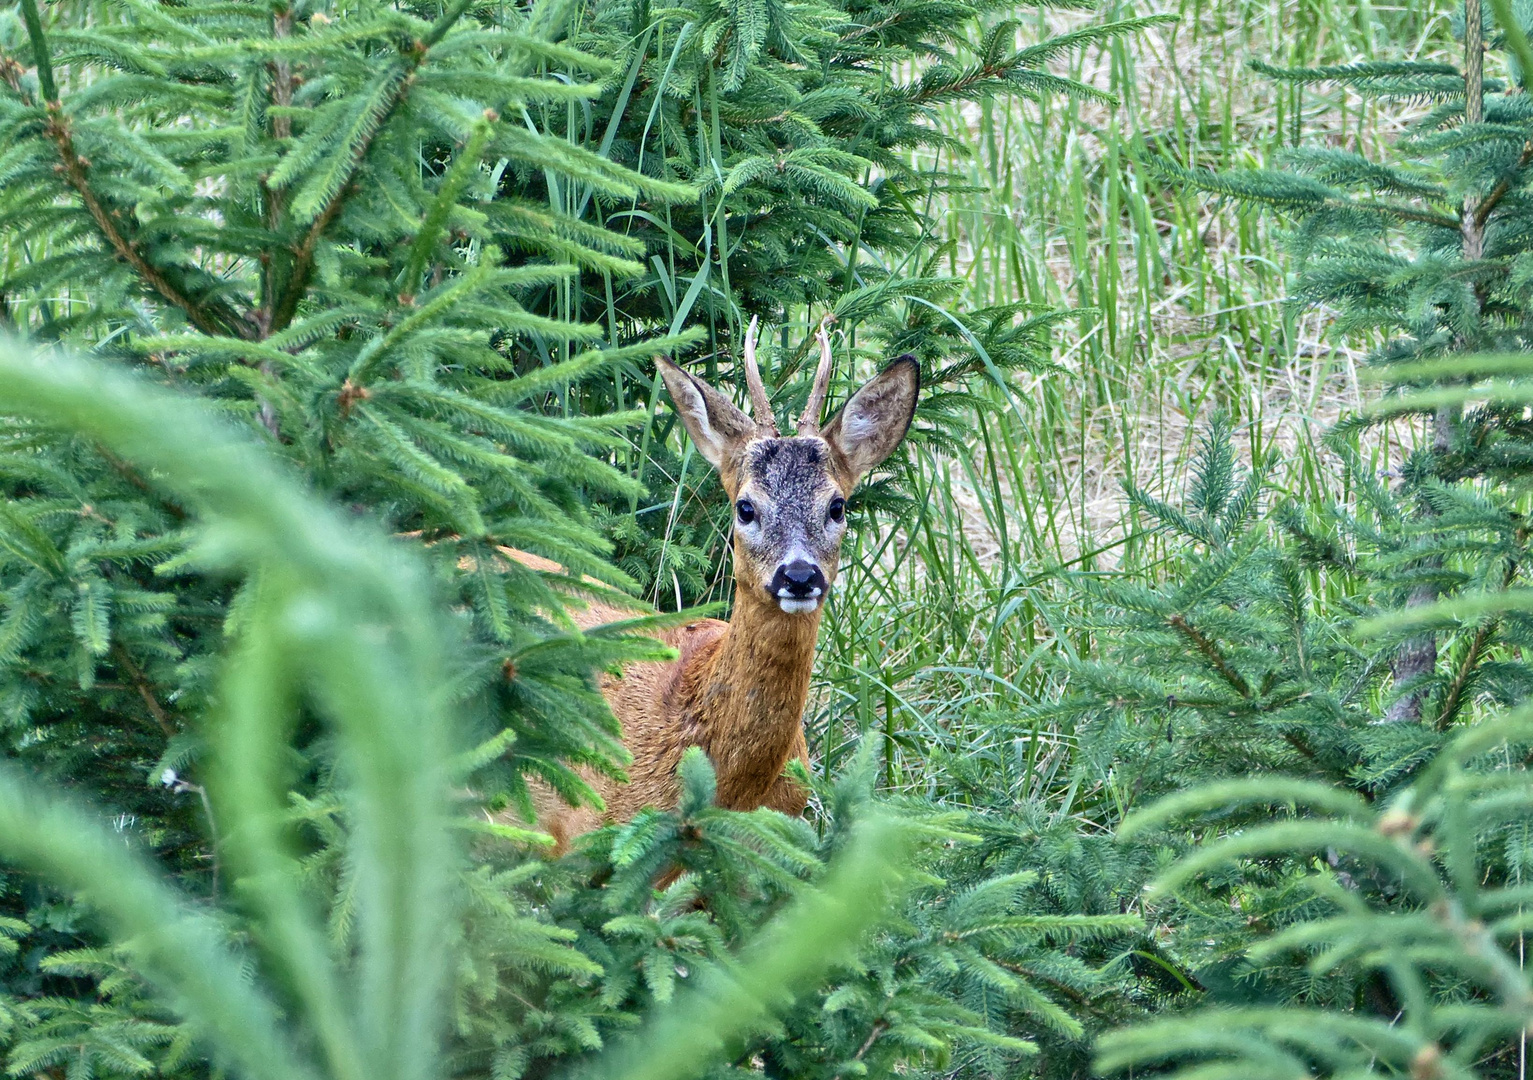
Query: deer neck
[749, 699]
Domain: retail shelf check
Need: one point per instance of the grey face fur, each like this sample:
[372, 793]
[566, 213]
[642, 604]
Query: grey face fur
[790, 493]
[789, 536]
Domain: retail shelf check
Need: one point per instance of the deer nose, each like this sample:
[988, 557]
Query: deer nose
[798, 580]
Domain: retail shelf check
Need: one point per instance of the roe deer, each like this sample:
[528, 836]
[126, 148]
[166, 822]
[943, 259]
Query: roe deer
[738, 689]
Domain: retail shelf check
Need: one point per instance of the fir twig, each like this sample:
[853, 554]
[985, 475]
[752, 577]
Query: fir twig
[145, 691]
[286, 306]
[1211, 652]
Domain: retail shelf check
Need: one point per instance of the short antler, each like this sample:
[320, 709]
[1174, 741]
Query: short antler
[809, 423]
[761, 405]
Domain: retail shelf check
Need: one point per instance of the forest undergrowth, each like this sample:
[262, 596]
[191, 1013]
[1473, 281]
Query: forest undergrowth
[1170, 710]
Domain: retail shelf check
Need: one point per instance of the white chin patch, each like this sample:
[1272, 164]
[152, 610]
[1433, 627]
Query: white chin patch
[797, 607]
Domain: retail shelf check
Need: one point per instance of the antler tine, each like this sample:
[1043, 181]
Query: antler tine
[761, 405]
[809, 423]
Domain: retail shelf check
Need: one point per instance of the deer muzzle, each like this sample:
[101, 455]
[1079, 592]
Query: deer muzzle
[799, 586]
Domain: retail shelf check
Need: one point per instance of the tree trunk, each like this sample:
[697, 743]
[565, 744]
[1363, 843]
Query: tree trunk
[1418, 656]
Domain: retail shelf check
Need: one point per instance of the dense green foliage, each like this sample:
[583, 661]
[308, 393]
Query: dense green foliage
[1267, 815]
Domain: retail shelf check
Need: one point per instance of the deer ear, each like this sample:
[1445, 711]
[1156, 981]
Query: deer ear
[716, 426]
[872, 423]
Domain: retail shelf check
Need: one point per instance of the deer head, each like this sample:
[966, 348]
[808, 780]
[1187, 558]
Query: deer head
[790, 492]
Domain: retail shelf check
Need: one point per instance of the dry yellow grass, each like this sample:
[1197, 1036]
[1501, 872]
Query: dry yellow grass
[1189, 292]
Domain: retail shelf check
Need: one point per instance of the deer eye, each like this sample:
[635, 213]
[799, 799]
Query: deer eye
[838, 509]
[745, 510]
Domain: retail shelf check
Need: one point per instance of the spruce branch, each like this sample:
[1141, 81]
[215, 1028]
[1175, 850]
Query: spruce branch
[456, 179]
[1211, 652]
[1404, 213]
[286, 305]
[1398, 79]
[145, 690]
[893, 19]
[1022, 72]
[108, 224]
[132, 476]
[1454, 699]
[1503, 186]
[397, 84]
[879, 1027]
[1352, 73]
[1292, 193]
